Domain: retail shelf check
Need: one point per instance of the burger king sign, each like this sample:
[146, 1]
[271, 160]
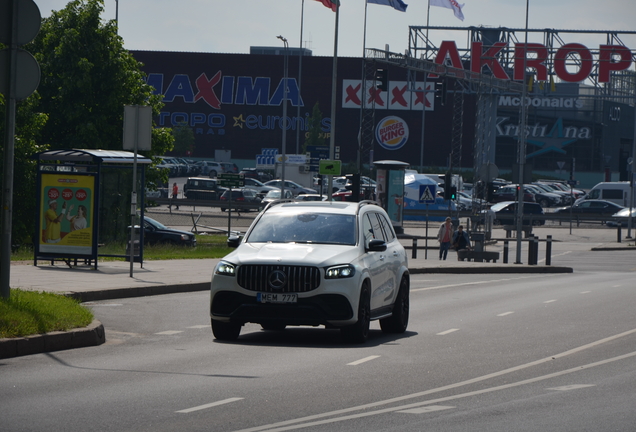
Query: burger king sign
[392, 133]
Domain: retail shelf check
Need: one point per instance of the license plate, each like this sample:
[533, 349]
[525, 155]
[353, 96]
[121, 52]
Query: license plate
[276, 298]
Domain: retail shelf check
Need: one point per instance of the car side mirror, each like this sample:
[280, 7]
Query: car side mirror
[233, 241]
[377, 246]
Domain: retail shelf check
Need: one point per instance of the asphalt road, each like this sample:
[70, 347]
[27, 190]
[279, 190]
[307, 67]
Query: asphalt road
[482, 352]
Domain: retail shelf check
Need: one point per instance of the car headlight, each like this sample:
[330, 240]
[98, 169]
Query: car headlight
[340, 271]
[225, 268]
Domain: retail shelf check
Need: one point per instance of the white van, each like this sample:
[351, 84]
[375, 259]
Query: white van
[616, 192]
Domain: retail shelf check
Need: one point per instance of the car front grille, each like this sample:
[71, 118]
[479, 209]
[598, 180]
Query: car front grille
[278, 278]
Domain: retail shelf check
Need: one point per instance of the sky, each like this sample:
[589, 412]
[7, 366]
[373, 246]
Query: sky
[222, 26]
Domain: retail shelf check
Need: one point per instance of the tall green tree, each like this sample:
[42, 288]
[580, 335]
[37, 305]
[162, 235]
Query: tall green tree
[183, 139]
[29, 123]
[87, 78]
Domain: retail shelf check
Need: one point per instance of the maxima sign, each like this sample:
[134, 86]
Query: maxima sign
[610, 58]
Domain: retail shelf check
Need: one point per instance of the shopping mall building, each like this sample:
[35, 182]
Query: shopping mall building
[579, 101]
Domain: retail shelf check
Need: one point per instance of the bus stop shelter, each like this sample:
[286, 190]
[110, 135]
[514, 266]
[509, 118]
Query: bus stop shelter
[85, 198]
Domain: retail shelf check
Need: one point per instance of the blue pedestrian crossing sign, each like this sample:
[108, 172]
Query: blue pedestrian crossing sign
[427, 194]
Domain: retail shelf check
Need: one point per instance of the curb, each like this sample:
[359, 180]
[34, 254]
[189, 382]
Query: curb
[92, 335]
[494, 269]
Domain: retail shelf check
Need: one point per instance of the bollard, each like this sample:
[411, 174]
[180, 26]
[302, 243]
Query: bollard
[618, 233]
[505, 252]
[548, 250]
[531, 250]
[414, 252]
[535, 250]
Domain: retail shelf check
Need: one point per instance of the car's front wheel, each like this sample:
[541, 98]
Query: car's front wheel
[399, 319]
[358, 332]
[225, 331]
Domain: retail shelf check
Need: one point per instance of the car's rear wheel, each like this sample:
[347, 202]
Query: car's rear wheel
[358, 332]
[225, 331]
[399, 319]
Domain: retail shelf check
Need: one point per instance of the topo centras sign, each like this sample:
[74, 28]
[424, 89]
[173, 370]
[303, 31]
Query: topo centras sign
[572, 62]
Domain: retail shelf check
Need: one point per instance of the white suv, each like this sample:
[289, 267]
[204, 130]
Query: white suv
[337, 264]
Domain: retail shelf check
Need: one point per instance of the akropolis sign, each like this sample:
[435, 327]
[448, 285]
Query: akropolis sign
[610, 58]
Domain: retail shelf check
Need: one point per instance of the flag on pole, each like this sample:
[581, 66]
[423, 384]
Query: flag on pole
[395, 4]
[449, 4]
[331, 4]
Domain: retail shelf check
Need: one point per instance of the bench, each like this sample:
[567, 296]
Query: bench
[469, 255]
[527, 230]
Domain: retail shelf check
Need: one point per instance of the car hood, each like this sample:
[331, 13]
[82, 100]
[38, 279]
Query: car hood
[174, 231]
[292, 254]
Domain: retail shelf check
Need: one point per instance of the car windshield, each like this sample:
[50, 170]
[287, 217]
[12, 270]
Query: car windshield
[305, 228]
[154, 223]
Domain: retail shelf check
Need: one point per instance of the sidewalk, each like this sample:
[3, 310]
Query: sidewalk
[112, 279]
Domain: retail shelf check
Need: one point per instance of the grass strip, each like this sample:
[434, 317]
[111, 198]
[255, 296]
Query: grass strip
[28, 313]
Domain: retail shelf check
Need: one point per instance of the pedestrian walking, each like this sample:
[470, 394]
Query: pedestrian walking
[175, 193]
[444, 237]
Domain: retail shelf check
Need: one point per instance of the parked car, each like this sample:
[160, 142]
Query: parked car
[274, 195]
[311, 197]
[209, 168]
[313, 263]
[201, 188]
[258, 187]
[506, 211]
[509, 193]
[622, 218]
[229, 167]
[156, 232]
[255, 174]
[293, 186]
[544, 198]
[164, 163]
[240, 196]
[591, 208]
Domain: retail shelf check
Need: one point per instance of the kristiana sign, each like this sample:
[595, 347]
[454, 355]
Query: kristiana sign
[572, 62]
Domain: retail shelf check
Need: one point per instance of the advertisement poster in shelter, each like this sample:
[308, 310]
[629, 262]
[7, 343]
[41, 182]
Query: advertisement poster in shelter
[66, 214]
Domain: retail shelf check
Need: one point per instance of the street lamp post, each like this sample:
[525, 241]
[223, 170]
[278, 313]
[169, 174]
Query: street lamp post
[284, 126]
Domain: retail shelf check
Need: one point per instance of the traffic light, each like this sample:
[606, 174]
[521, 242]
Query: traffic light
[448, 180]
[382, 79]
[453, 193]
[353, 184]
[490, 192]
[440, 92]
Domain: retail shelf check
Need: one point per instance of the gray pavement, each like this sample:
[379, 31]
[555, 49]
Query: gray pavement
[112, 279]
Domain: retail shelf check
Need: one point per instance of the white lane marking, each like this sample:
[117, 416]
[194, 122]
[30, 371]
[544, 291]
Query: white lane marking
[427, 409]
[447, 332]
[585, 292]
[445, 388]
[571, 387]
[366, 359]
[210, 405]
[616, 286]
[169, 332]
[505, 313]
[299, 425]
[199, 326]
[472, 283]
[549, 301]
